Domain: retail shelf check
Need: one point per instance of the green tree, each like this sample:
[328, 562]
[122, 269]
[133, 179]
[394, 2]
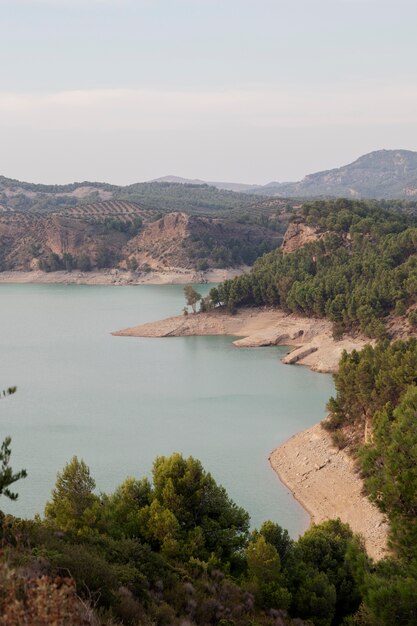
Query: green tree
[7, 476]
[208, 520]
[278, 537]
[331, 549]
[263, 561]
[122, 507]
[68, 261]
[391, 466]
[264, 569]
[84, 262]
[73, 506]
[192, 297]
[390, 594]
[104, 257]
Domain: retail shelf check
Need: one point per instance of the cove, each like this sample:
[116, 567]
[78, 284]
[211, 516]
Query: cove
[120, 402]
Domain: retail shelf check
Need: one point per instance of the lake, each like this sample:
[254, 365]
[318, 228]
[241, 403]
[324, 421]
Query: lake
[119, 402]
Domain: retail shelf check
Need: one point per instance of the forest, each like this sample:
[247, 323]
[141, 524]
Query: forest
[172, 551]
[361, 268]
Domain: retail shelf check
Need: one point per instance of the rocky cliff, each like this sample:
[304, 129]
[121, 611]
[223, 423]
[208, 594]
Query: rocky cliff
[297, 235]
[125, 235]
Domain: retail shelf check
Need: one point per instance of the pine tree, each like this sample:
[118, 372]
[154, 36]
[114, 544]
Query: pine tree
[7, 477]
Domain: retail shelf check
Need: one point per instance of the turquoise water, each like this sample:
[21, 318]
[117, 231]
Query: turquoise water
[119, 402]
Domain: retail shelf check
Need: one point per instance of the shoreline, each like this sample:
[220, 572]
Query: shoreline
[311, 339]
[320, 477]
[325, 482]
[115, 277]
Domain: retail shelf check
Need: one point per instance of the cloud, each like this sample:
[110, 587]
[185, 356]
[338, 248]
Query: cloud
[260, 107]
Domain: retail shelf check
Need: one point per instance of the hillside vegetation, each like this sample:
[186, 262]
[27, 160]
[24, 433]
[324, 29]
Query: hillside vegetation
[360, 266]
[374, 416]
[117, 233]
[172, 551]
[165, 197]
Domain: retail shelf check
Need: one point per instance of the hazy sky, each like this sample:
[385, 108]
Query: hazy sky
[239, 90]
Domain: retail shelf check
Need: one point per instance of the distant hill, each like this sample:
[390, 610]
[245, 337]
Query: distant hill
[238, 187]
[122, 234]
[383, 174]
[164, 196]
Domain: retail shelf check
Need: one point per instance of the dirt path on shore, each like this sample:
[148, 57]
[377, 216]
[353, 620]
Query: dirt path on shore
[324, 480]
[311, 338]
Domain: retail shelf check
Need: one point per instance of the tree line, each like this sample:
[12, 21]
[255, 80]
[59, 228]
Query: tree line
[170, 549]
[362, 267]
[374, 414]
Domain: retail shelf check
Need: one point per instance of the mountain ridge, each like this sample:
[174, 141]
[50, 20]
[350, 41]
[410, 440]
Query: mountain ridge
[380, 174]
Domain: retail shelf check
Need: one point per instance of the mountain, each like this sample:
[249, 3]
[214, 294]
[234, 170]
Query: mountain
[383, 174]
[237, 187]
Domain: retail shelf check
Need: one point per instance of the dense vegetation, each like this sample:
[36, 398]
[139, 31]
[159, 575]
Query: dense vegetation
[162, 196]
[178, 551]
[170, 550]
[375, 414]
[190, 198]
[362, 267]
[211, 251]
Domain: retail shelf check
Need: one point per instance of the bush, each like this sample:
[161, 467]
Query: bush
[412, 318]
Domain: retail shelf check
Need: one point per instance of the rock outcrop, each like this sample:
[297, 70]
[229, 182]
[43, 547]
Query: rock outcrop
[120, 234]
[297, 235]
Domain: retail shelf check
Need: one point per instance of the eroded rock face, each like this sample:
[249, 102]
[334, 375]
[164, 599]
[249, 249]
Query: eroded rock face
[175, 241]
[161, 243]
[297, 235]
[25, 238]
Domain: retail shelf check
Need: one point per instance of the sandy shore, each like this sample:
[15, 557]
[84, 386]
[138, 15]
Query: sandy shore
[311, 339]
[323, 479]
[175, 276]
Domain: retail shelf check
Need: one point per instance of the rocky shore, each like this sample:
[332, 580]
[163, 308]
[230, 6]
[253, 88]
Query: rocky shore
[325, 482]
[173, 276]
[311, 339]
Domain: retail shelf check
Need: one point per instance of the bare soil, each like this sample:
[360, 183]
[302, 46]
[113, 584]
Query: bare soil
[171, 276]
[311, 338]
[325, 482]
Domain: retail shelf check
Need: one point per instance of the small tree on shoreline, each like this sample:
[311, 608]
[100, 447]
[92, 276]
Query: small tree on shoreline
[192, 297]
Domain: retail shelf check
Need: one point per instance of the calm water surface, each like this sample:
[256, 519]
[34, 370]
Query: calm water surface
[119, 402]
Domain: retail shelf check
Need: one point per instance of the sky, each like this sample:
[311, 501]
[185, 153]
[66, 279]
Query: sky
[225, 90]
